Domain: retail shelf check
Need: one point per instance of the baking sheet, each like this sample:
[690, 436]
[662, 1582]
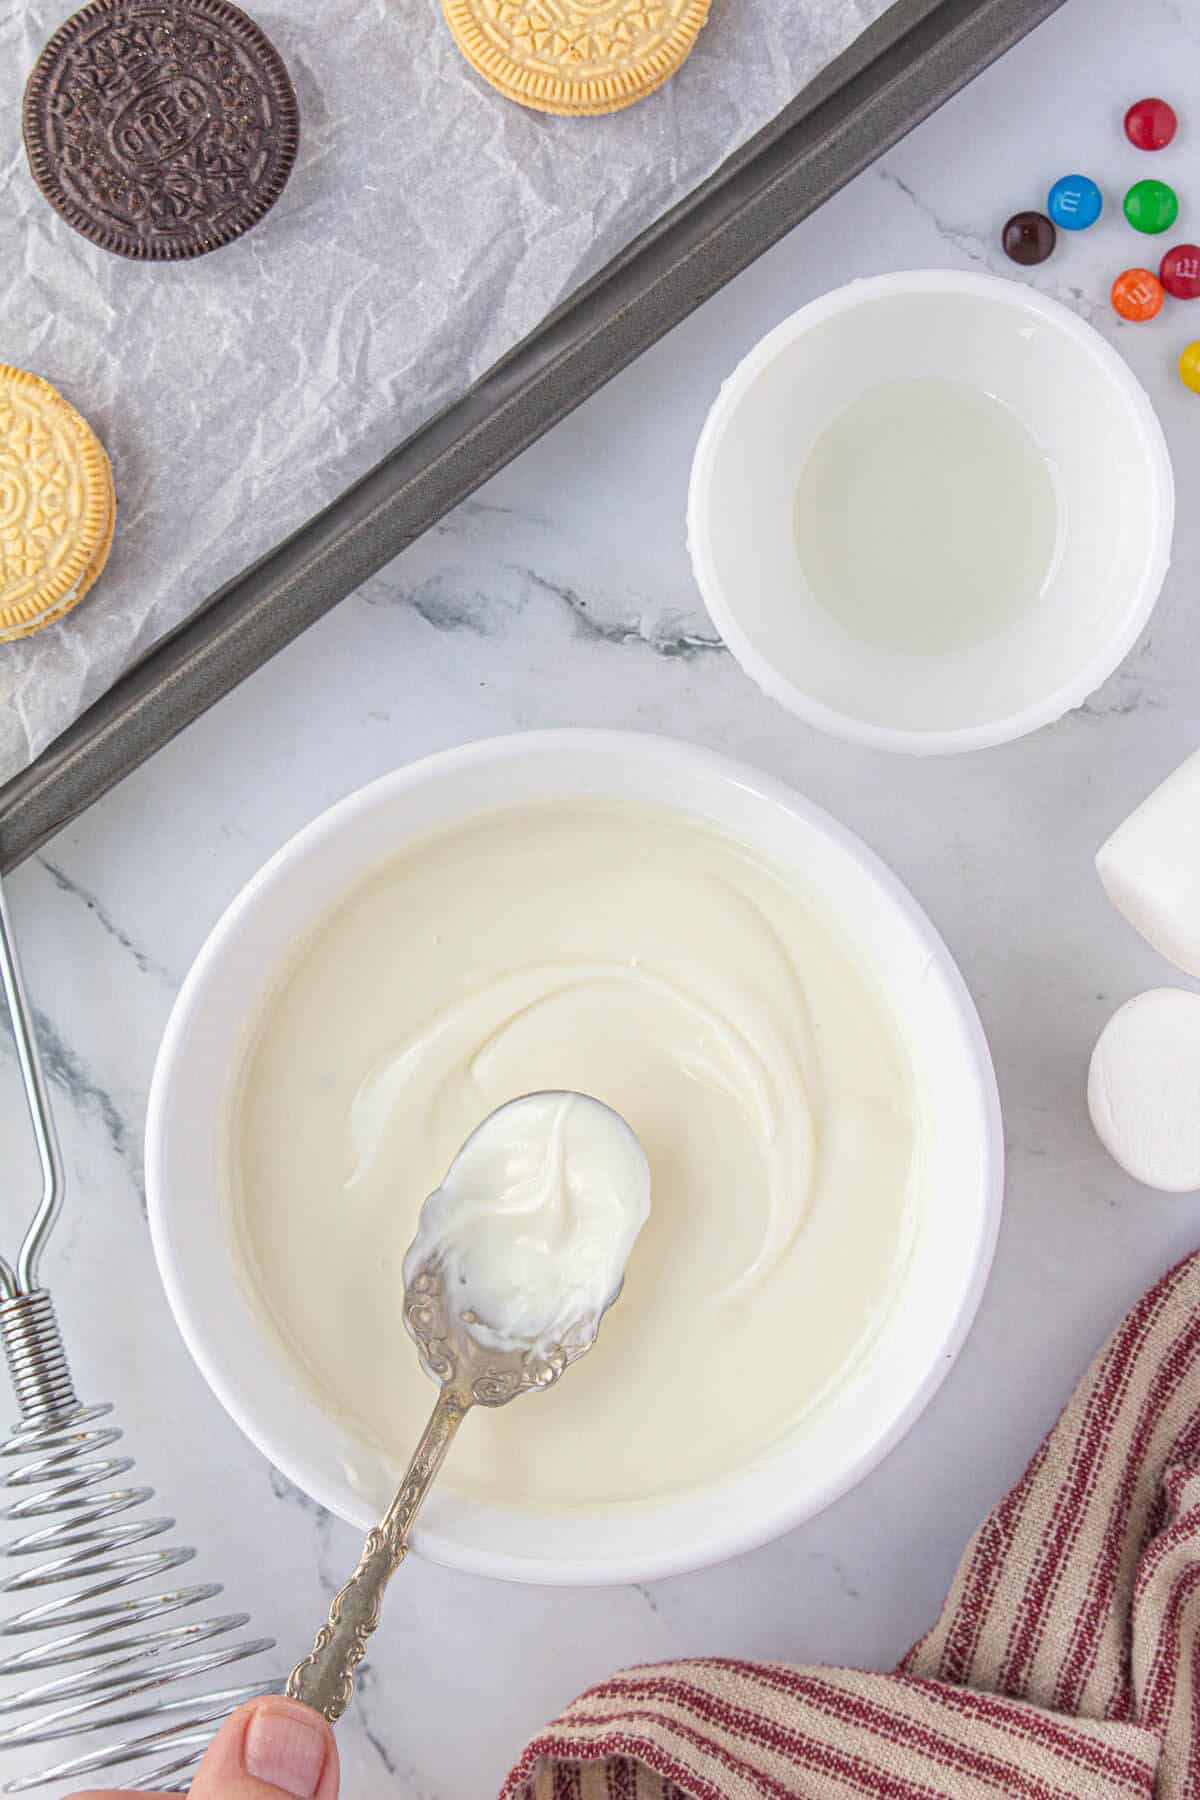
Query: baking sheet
[428, 227]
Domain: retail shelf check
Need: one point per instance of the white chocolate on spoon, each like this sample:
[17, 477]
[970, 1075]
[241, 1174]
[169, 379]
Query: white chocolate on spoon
[533, 1225]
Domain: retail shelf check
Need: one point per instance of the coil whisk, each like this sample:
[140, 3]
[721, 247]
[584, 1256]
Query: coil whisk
[92, 1651]
[93, 1648]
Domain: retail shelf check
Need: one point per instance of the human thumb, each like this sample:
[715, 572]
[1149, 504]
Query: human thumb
[270, 1747]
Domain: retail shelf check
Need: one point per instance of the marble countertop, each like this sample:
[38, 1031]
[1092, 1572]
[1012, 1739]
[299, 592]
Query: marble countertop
[561, 595]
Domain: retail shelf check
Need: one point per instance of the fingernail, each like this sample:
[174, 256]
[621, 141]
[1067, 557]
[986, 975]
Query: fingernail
[282, 1748]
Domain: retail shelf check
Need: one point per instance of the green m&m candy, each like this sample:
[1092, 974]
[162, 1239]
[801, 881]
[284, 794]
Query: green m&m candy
[1151, 206]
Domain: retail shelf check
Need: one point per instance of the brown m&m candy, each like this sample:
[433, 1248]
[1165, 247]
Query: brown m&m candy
[160, 128]
[1028, 238]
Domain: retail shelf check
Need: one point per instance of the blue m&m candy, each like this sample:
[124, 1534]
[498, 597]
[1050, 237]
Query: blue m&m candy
[1074, 202]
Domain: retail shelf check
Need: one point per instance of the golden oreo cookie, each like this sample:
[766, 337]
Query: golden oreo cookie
[57, 506]
[576, 56]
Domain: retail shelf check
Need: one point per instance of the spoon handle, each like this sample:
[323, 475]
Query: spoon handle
[325, 1679]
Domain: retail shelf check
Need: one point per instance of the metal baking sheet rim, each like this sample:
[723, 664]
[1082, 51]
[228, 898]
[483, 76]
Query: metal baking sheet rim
[899, 71]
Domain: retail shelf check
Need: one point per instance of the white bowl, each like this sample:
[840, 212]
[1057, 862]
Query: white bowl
[187, 1152]
[1107, 460]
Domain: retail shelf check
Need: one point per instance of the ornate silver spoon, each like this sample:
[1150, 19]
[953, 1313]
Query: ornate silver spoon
[458, 1285]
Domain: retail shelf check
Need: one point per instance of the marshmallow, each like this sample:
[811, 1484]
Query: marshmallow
[1144, 1089]
[1150, 867]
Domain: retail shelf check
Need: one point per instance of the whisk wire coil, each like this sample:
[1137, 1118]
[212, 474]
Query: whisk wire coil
[82, 1528]
[82, 1540]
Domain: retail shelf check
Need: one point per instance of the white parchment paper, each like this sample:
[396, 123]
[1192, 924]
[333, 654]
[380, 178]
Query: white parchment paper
[427, 227]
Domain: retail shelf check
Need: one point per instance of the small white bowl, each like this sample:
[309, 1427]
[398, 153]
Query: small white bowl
[1107, 461]
[958, 1207]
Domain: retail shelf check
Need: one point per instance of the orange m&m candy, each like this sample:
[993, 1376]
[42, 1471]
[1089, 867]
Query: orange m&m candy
[1137, 294]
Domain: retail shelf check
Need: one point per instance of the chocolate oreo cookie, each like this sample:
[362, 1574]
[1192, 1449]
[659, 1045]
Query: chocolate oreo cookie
[160, 128]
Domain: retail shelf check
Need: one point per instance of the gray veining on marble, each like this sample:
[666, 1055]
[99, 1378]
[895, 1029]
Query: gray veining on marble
[561, 595]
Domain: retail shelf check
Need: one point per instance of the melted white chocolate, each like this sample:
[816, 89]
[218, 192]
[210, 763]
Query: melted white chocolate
[630, 954]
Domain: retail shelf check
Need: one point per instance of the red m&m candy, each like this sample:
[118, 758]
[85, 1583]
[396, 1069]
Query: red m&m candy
[1150, 124]
[1137, 294]
[1179, 271]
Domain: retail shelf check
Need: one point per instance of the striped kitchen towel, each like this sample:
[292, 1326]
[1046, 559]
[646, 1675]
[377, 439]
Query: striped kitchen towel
[1065, 1665]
